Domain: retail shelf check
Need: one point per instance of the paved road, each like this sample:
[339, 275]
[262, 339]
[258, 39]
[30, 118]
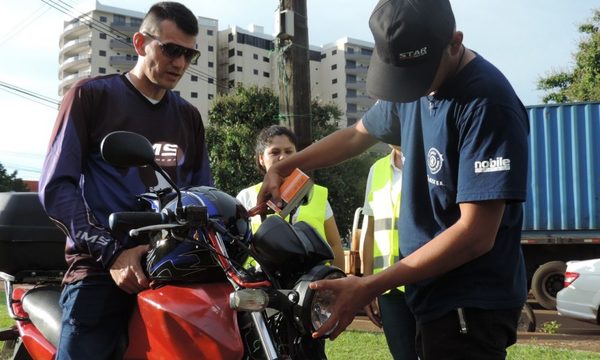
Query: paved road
[570, 328]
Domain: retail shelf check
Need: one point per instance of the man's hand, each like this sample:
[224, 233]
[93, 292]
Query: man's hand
[270, 186]
[351, 296]
[373, 313]
[127, 272]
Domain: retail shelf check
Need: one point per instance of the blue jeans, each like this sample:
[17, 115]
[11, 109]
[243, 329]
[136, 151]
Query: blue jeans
[398, 325]
[94, 320]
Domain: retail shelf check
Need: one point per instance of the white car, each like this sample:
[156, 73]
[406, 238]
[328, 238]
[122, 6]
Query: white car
[580, 298]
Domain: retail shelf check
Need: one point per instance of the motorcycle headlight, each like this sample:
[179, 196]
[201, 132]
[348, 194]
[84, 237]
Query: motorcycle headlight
[314, 307]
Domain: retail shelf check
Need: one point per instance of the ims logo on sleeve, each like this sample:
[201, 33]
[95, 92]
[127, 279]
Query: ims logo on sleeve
[492, 165]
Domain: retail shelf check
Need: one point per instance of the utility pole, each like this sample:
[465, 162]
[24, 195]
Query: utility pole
[294, 69]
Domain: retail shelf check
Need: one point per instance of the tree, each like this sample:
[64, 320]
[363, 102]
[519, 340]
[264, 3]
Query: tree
[583, 82]
[234, 123]
[10, 182]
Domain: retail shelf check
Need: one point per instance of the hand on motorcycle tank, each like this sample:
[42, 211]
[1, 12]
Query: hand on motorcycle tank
[351, 295]
[127, 270]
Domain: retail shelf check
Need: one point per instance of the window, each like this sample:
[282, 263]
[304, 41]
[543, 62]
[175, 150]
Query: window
[176, 92]
[231, 52]
[350, 50]
[135, 22]
[334, 96]
[102, 70]
[255, 56]
[103, 19]
[211, 48]
[211, 96]
[231, 84]
[231, 68]
[334, 66]
[333, 52]
[239, 69]
[334, 81]
[255, 71]
[194, 78]
[209, 32]
[239, 53]
[266, 74]
[211, 80]
[265, 59]
[211, 64]
[102, 35]
[323, 56]
[230, 37]
[119, 19]
[102, 52]
[194, 95]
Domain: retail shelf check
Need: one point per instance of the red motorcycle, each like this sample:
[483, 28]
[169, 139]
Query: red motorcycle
[203, 302]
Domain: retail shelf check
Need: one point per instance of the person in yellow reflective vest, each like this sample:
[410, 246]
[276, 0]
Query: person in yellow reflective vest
[379, 250]
[274, 144]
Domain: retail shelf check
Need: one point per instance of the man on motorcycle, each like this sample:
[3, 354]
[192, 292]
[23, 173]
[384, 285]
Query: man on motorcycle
[79, 190]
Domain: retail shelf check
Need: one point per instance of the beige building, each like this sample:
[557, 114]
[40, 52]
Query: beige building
[98, 42]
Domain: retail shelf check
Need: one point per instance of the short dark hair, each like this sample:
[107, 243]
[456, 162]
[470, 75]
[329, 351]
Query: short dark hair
[183, 17]
[265, 137]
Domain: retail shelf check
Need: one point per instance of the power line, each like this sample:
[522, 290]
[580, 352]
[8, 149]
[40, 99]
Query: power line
[28, 94]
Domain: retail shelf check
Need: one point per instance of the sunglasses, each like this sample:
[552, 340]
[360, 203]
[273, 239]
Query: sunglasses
[174, 51]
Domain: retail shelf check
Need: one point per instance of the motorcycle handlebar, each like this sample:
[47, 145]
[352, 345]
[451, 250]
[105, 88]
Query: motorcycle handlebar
[126, 221]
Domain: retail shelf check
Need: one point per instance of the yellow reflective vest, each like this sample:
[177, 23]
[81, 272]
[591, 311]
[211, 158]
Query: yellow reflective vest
[312, 212]
[385, 216]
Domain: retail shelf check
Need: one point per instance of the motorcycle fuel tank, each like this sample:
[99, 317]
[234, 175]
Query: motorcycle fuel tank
[185, 322]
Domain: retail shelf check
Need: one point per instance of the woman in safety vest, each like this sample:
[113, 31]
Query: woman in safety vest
[380, 250]
[276, 143]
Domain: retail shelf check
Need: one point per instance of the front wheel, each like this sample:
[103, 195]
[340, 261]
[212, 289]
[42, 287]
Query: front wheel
[547, 281]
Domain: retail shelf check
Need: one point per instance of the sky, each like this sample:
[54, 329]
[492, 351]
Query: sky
[525, 39]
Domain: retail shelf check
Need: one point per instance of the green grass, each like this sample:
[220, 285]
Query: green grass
[359, 345]
[5, 321]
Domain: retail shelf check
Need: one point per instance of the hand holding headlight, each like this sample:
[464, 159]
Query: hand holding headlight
[351, 296]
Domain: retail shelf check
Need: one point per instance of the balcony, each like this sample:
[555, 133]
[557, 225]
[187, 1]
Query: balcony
[124, 29]
[69, 80]
[356, 85]
[75, 63]
[75, 30]
[360, 100]
[124, 62]
[356, 56]
[75, 46]
[356, 70]
[122, 45]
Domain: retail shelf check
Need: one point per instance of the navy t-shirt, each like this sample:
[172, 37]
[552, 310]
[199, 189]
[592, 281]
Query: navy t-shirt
[467, 143]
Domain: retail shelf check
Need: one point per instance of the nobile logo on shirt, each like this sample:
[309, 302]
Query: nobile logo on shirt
[492, 165]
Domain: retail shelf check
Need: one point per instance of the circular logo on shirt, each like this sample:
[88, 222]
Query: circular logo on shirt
[434, 160]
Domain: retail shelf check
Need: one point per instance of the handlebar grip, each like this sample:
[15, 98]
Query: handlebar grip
[122, 222]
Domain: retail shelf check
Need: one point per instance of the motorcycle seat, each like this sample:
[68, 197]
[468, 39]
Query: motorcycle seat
[42, 306]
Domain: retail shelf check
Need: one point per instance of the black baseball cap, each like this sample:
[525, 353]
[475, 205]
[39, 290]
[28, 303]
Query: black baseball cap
[410, 38]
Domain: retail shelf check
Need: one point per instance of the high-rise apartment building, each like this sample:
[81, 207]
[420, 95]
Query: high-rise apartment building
[98, 42]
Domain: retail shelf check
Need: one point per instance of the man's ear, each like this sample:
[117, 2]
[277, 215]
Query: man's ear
[138, 43]
[456, 42]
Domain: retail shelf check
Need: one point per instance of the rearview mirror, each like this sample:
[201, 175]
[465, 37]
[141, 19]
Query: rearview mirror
[126, 149]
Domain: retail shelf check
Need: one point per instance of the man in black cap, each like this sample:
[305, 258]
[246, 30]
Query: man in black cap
[464, 132]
